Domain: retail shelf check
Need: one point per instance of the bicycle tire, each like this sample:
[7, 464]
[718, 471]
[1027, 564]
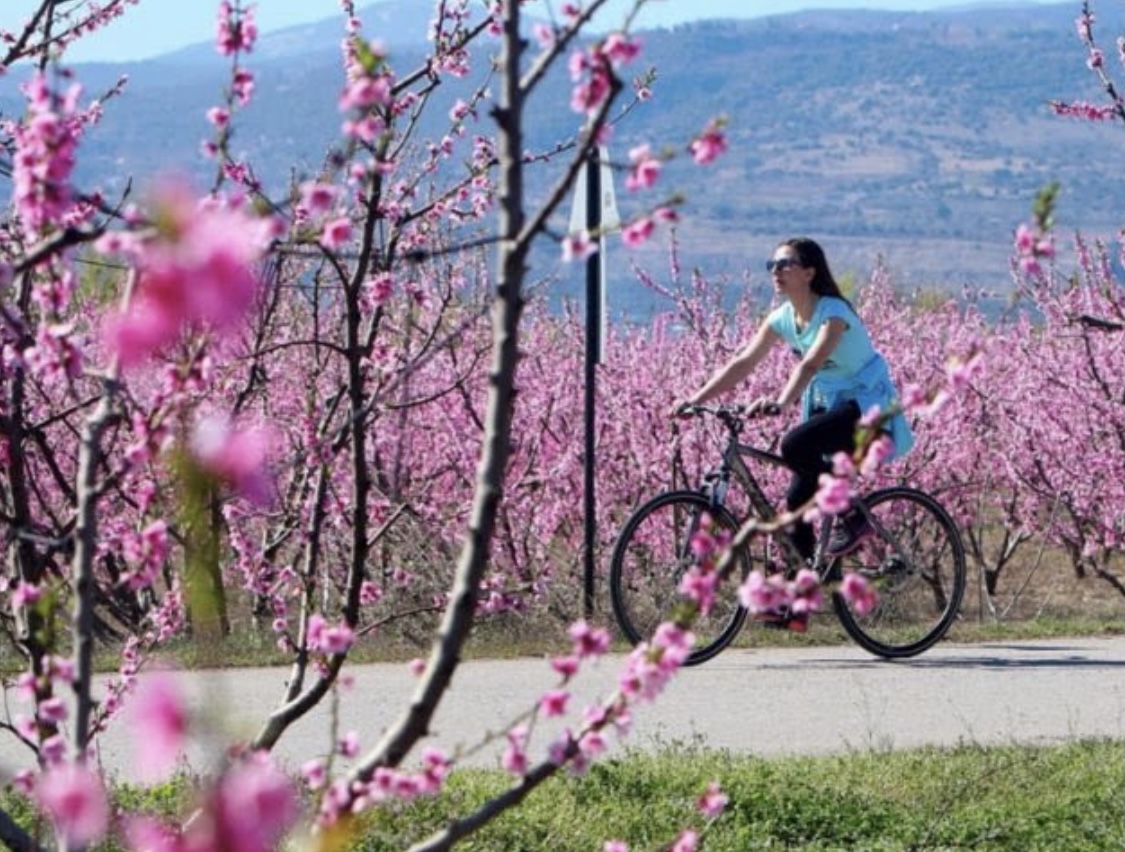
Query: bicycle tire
[650, 557]
[916, 565]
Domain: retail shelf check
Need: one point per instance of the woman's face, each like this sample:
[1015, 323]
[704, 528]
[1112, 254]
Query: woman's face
[789, 276]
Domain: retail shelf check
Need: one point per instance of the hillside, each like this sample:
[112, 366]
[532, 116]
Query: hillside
[917, 137]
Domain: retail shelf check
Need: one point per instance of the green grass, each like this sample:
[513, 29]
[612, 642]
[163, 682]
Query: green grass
[1061, 798]
[1058, 798]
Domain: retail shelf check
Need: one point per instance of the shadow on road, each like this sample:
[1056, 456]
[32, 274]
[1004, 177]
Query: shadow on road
[1029, 657]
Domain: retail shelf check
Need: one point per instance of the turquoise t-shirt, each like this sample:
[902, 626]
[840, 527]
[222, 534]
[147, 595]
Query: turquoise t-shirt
[854, 371]
[852, 352]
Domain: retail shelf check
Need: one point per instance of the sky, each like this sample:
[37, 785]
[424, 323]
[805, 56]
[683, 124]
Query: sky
[155, 27]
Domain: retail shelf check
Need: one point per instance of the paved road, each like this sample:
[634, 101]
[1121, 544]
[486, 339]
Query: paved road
[764, 701]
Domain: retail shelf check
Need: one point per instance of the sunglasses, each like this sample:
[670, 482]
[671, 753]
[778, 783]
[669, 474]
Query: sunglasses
[782, 264]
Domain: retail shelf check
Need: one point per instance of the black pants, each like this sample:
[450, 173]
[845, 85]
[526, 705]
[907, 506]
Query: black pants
[808, 449]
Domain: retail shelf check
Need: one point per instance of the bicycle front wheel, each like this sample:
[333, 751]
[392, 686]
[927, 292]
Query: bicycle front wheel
[915, 562]
[651, 557]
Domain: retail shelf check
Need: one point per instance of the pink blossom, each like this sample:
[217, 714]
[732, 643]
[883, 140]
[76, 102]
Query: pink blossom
[56, 354]
[805, 592]
[878, 453]
[579, 246]
[337, 639]
[336, 233]
[712, 803]
[236, 29]
[565, 666]
[619, 49]
[764, 594]
[646, 168]
[1025, 239]
[859, 594]
[961, 373]
[553, 703]
[144, 329]
[593, 744]
[75, 800]
[148, 834]
[24, 782]
[368, 91]
[52, 750]
[589, 641]
[544, 35]
[615, 846]
[636, 233]
[1084, 110]
[317, 198]
[160, 721]
[369, 593]
[688, 841]
[44, 155]
[699, 586]
[26, 594]
[195, 268]
[218, 117]
[842, 465]
[514, 759]
[834, 494]
[707, 147]
[349, 744]
[236, 457]
[242, 85]
[256, 805]
[380, 288]
[314, 773]
[53, 710]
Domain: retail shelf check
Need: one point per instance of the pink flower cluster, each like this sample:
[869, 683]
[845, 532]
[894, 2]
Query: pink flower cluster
[195, 270]
[74, 797]
[701, 580]
[1085, 110]
[764, 593]
[251, 809]
[145, 553]
[45, 154]
[590, 70]
[369, 93]
[236, 457]
[386, 784]
[237, 30]
[710, 144]
[329, 639]
[1032, 248]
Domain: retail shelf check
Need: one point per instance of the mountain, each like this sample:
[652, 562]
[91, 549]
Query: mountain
[919, 138]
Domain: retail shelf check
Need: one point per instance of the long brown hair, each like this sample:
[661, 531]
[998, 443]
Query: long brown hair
[812, 257]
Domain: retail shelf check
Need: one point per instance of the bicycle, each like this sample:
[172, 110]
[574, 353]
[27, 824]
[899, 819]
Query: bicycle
[914, 558]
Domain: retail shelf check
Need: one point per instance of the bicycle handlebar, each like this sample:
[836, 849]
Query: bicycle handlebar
[723, 412]
[733, 417]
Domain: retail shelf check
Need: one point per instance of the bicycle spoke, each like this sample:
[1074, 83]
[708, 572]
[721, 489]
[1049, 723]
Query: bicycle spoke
[650, 559]
[916, 564]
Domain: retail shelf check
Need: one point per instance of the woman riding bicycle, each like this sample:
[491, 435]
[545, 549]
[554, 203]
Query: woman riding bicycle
[838, 378]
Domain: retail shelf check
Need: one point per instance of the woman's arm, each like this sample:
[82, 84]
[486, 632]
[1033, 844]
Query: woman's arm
[738, 368]
[827, 339]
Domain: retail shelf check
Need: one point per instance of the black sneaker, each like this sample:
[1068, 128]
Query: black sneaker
[847, 533]
[794, 622]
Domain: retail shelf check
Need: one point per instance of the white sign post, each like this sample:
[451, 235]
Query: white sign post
[597, 218]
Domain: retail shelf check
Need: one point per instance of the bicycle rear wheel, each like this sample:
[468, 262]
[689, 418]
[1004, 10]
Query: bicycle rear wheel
[915, 561]
[650, 558]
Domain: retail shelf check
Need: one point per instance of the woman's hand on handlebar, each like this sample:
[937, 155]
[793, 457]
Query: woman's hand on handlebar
[763, 407]
[682, 408]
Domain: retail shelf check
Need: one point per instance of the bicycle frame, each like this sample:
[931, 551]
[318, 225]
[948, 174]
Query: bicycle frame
[716, 482]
